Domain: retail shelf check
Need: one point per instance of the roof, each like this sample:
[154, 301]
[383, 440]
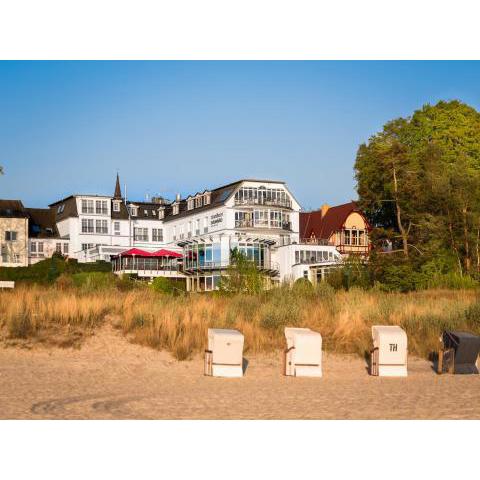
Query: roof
[218, 196]
[69, 208]
[135, 251]
[145, 210]
[118, 190]
[314, 224]
[143, 253]
[166, 253]
[12, 209]
[42, 223]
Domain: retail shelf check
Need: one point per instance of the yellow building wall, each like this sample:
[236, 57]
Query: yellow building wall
[18, 247]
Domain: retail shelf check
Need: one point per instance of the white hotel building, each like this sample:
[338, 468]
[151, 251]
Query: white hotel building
[258, 217]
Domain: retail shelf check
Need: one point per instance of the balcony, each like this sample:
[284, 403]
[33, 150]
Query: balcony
[263, 202]
[269, 268]
[263, 224]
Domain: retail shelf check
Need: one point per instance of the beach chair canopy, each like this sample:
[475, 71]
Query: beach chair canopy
[467, 349]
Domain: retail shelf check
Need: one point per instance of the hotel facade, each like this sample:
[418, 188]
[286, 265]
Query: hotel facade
[189, 239]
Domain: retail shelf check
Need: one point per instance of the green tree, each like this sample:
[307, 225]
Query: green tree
[419, 183]
[242, 275]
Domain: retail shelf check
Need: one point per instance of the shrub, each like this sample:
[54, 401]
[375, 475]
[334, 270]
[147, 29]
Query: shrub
[19, 326]
[167, 285]
[90, 281]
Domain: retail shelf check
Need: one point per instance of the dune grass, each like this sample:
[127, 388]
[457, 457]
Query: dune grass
[65, 316]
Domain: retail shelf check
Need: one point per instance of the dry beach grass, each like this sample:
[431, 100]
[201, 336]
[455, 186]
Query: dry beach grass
[178, 324]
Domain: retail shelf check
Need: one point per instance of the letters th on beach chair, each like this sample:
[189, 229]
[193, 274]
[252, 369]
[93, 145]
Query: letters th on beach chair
[459, 353]
[224, 355]
[303, 356]
[389, 355]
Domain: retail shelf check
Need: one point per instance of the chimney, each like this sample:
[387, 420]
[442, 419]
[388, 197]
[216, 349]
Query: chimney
[324, 209]
[178, 197]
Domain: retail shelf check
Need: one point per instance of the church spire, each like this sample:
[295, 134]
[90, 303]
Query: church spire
[118, 190]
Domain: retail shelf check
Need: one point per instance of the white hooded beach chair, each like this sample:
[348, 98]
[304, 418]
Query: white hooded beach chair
[389, 355]
[224, 356]
[303, 356]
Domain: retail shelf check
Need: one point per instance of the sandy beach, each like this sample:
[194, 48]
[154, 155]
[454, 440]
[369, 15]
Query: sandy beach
[110, 378]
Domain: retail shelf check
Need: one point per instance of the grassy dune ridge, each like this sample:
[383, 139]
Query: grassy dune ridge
[66, 316]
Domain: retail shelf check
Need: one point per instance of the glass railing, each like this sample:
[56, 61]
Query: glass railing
[265, 224]
[262, 201]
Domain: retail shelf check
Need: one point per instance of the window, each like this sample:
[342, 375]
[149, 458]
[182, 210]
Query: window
[181, 234]
[33, 247]
[175, 209]
[189, 231]
[58, 248]
[206, 197]
[133, 211]
[116, 206]
[87, 225]
[263, 196]
[198, 201]
[101, 226]
[40, 247]
[157, 235]
[61, 208]
[101, 207]
[174, 233]
[65, 248]
[140, 234]
[190, 204]
[116, 228]
[87, 206]
[161, 213]
[197, 226]
[205, 225]
[10, 236]
[347, 237]
[275, 219]
[260, 218]
[145, 212]
[354, 237]
[87, 246]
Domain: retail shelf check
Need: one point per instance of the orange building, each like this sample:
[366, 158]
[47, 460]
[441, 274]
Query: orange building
[344, 226]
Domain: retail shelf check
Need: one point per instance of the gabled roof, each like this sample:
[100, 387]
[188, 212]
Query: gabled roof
[41, 223]
[12, 209]
[314, 224]
[64, 208]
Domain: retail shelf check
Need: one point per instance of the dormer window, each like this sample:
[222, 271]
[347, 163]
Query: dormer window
[61, 208]
[175, 209]
[145, 213]
[161, 213]
[206, 198]
[133, 211]
[190, 204]
[198, 201]
[154, 213]
[116, 206]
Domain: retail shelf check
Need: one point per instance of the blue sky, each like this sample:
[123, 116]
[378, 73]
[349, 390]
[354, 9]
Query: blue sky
[167, 127]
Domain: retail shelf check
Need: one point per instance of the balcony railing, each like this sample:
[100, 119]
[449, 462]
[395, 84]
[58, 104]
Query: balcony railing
[262, 201]
[317, 241]
[263, 224]
[265, 266]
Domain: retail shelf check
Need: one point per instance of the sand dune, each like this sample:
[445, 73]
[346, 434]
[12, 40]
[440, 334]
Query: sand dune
[110, 378]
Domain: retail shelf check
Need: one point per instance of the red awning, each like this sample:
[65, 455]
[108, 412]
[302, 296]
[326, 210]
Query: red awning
[166, 253]
[137, 252]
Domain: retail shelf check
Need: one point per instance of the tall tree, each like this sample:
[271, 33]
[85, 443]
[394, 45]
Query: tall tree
[420, 177]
